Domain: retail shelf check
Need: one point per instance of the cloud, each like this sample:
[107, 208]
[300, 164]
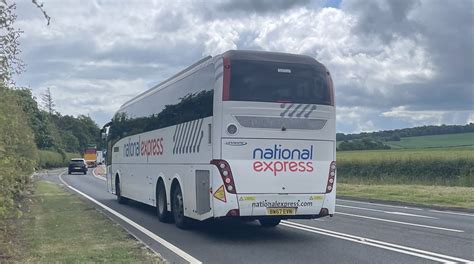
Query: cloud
[421, 117]
[394, 63]
[259, 6]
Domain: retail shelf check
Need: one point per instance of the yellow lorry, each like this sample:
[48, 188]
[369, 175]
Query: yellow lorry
[90, 156]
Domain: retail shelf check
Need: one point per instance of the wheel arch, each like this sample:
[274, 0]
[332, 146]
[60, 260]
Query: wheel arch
[115, 179]
[161, 180]
[176, 182]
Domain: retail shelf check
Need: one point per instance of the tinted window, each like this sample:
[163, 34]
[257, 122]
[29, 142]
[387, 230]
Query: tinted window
[185, 100]
[264, 81]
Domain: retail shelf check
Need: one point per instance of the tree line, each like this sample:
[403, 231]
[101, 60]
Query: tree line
[375, 140]
[395, 135]
[53, 131]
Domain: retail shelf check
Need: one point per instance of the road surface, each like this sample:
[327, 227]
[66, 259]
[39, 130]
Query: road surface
[359, 233]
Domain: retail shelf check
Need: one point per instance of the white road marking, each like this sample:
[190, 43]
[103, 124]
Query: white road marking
[453, 213]
[402, 223]
[377, 243]
[414, 215]
[98, 176]
[386, 212]
[145, 231]
[385, 205]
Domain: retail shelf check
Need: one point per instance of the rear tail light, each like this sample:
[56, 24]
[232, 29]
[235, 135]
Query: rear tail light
[331, 177]
[226, 174]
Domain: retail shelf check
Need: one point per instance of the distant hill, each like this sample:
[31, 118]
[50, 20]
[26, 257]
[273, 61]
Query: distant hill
[395, 135]
[435, 141]
[416, 137]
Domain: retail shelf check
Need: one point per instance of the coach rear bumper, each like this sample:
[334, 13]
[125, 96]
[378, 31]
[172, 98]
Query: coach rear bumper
[284, 206]
[291, 205]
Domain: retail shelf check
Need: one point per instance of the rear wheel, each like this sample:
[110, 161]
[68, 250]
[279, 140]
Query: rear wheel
[161, 203]
[177, 207]
[68, 172]
[269, 222]
[118, 192]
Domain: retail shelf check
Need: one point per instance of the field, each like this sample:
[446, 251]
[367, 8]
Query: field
[435, 141]
[436, 166]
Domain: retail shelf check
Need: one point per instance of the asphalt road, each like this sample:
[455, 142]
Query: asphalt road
[359, 233]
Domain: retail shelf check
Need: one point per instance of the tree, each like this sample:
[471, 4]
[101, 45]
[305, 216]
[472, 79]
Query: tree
[48, 103]
[38, 120]
[10, 63]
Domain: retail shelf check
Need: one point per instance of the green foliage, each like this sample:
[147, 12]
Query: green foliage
[37, 119]
[76, 133]
[444, 166]
[437, 141]
[54, 131]
[362, 144]
[18, 153]
[51, 159]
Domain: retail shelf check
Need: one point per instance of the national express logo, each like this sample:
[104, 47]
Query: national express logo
[282, 160]
[146, 147]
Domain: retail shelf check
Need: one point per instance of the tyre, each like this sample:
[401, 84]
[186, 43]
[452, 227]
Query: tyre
[177, 208]
[85, 172]
[118, 192]
[269, 222]
[69, 172]
[163, 214]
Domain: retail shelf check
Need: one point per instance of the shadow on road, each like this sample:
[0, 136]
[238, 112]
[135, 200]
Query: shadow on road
[232, 230]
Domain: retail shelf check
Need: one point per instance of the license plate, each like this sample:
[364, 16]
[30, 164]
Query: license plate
[281, 211]
[77, 168]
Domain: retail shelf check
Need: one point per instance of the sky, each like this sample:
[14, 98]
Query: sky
[395, 64]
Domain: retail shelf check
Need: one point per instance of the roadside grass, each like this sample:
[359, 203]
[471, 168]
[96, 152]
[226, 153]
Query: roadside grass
[443, 196]
[61, 228]
[434, 141]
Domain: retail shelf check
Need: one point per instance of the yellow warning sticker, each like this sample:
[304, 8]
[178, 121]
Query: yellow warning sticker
[247, 198]
[315, 197]
[220, 194]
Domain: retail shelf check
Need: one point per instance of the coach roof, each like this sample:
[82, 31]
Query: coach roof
[269, 56]
[233, 55]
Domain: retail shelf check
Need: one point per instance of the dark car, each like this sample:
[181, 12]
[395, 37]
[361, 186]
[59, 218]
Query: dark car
[77, 165]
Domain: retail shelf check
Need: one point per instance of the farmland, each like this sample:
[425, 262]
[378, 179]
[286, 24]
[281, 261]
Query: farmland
[434, 141]
[437, 166]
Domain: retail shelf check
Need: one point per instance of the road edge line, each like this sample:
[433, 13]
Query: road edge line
[374, 242]
[403, 223]
[369, 244]
[140, 228]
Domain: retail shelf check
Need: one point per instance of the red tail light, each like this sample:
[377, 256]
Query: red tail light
[226, 77]
[331, 177]
[226, 174]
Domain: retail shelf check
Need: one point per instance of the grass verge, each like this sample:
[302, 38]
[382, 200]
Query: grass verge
[443, 196]
[61, 228]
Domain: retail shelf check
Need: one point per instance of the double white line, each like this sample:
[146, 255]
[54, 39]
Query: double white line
[376, 243]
